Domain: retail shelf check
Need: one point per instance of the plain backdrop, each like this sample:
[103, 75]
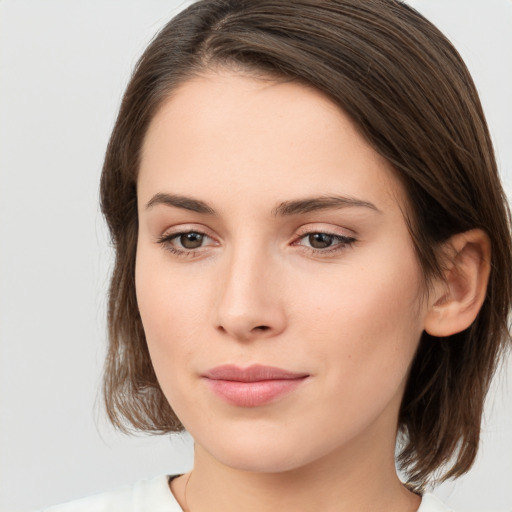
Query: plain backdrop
[63, 67]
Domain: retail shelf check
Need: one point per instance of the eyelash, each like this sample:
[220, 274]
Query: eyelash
[166, 240]
[341, 242]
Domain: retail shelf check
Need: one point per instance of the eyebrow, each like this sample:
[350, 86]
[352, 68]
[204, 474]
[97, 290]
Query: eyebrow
[320, 203]
[187, 203]
[284, 209]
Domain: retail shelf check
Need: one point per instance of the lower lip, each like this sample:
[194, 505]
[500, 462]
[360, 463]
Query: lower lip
[253, 394]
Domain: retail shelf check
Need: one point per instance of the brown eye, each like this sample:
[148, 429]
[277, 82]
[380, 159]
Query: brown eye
[320, 240]
[325, 243]
[191, 240]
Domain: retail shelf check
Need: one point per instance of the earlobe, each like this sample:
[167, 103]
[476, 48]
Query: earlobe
[457, 298]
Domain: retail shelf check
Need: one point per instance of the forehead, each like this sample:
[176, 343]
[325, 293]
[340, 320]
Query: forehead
[260, 138]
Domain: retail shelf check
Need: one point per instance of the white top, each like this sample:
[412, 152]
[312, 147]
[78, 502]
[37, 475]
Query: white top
[155, 496]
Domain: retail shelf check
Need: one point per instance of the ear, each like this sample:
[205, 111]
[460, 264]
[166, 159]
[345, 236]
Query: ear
[456, 299]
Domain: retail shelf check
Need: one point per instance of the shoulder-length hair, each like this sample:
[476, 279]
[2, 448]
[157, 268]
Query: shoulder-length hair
[409, 93]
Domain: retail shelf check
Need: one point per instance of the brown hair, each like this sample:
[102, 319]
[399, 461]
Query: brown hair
[410, 94]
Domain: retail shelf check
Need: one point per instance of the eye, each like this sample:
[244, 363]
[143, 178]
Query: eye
[191, 240]
[185, 243]
[321, 242]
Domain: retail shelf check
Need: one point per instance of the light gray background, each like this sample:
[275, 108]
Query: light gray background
[63, 67]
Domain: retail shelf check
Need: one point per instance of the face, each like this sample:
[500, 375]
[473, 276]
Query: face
[276, 278]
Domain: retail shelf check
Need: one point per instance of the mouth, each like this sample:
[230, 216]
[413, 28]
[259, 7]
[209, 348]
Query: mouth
[253, 386]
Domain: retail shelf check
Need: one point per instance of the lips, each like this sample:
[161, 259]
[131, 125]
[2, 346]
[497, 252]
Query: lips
[253, 386]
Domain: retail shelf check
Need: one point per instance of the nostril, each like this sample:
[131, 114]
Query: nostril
[262, 327]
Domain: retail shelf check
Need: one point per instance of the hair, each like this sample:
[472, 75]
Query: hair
[411, 96]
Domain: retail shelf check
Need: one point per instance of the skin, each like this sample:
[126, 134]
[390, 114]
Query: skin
[349, 315]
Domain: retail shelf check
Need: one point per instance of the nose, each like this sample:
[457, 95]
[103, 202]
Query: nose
[250, 300]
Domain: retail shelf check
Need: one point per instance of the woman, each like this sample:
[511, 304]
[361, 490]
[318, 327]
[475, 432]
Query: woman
[312, 257]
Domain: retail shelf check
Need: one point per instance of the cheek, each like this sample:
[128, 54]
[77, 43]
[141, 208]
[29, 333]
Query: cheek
[169, 305]
[167, 294]
[175, 306]
[362, 333]
[365, 321]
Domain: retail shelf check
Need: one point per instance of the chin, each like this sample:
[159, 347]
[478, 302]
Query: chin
[260, 460]
[260, 453]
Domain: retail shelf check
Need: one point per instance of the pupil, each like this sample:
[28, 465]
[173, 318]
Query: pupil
[320, 240]
[191, 240]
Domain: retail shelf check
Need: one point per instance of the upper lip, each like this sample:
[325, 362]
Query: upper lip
[253, 373]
